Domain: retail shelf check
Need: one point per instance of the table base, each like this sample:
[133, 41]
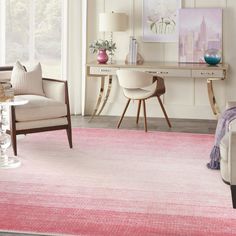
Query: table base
[9, 163]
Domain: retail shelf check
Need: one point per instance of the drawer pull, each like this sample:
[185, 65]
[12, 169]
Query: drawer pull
[158, 72]
[207, 73]
[152, 72]
[105, 70]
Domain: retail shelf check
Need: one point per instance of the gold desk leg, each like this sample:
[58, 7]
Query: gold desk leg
[99, 99]
[107, 94]
[212, 98]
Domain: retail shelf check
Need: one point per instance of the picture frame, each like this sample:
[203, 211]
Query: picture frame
[199, 33]
[160, 20]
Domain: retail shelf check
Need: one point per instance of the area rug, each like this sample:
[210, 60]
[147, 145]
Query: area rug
[115, 182]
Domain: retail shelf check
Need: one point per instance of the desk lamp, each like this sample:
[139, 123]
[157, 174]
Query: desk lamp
[112, 22]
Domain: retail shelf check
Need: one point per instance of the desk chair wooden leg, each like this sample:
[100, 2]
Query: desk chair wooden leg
[127, 104]
[138, 112]
[164, 111]
[145, 116]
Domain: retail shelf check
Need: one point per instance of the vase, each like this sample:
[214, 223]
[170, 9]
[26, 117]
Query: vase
[102, 57]
[212, 56]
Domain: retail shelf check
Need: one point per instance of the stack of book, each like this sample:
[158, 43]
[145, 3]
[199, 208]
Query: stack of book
[133, 51]
[6, 91]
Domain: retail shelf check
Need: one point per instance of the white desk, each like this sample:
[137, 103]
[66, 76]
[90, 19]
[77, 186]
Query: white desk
[163, 69]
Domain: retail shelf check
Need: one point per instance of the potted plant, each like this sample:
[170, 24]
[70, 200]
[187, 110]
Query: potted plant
[101, 46]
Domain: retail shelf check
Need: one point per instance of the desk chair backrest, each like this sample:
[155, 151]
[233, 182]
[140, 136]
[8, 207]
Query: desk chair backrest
[134, 79]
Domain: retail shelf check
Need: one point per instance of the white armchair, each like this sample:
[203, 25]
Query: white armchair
[228, 157]
[41, 113]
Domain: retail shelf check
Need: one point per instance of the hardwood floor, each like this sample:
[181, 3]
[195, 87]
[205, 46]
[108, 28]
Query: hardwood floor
[154, 124]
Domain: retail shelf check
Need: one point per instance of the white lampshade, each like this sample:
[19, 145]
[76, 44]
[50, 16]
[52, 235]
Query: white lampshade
[113, 22]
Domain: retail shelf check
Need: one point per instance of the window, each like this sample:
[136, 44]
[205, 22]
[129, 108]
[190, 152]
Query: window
[31, 31]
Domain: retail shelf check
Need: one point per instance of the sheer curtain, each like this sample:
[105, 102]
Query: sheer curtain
[49, 32]
[76, 53]
[32, 31]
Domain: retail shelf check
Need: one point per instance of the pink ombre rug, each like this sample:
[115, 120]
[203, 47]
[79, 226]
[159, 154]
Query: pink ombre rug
[116, 182]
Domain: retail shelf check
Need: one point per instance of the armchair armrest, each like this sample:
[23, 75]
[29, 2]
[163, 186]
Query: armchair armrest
[232, 157]
[56, 89]
[232, 125]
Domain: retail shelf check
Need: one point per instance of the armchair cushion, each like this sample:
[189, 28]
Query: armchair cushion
[25, 82]
[41, 123]
[39, 108]
[54, 89]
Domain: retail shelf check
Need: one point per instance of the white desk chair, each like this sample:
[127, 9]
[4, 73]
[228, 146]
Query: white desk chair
[140, 86]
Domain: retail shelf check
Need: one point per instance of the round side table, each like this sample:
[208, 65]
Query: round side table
[7, 162]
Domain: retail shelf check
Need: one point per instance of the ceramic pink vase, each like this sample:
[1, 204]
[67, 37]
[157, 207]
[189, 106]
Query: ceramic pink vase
[102, 57]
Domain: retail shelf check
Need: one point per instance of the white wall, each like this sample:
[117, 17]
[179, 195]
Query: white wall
[185, 98]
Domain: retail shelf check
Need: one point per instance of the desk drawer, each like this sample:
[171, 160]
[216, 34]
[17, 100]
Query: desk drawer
[208, 73]
[103, 70]
[170, 72]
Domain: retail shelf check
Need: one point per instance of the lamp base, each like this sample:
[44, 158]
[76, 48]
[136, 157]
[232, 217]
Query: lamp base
[110, 59]
[139, 60]
[9, 162]
[111, 62]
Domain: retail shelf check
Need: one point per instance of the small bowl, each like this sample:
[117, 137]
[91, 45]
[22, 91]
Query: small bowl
[212, 56]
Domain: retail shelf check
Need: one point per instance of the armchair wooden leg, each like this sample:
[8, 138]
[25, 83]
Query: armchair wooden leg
[13, 143]
[69, 135]
[145, 116]
[164, 111]
[68, 130]
[138, 112]
[127, 104]
[233, 194]
[13, 129]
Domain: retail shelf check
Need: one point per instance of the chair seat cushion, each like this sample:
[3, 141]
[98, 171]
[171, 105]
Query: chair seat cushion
[141, 93]
[39, 108]
[224, 147]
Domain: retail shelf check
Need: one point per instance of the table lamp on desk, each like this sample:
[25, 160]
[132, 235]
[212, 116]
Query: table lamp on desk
[112, 22]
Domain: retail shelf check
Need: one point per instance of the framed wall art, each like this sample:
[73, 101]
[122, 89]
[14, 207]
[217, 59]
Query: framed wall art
[160, 20]
[200, 29]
